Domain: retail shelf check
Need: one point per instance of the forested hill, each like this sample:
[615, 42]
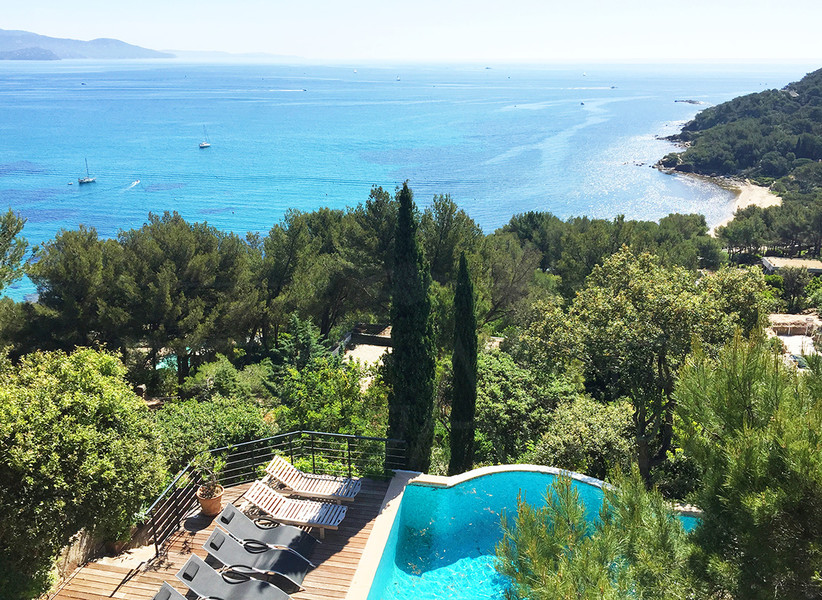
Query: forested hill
[774, 138]
[764, 135]
[24, 45]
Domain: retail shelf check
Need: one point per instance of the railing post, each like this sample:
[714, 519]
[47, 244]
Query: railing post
[313, 458]
[154, 534]
[291, 448]
[348, 445]
[386, 456]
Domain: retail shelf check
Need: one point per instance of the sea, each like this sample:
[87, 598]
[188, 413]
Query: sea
[571, 139]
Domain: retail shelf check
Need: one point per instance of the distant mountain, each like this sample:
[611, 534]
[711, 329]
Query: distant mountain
[28, 54]
[24, 45]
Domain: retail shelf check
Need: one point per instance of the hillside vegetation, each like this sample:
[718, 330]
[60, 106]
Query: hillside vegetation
[767, 134]
[775, 138]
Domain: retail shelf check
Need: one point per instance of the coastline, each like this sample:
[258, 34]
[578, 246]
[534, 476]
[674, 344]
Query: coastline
[747, 194]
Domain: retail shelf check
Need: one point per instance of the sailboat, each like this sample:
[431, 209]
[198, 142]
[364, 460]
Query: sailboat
[205, 143]
[87, 178]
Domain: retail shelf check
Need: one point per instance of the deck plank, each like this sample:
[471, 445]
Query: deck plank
[336, 557]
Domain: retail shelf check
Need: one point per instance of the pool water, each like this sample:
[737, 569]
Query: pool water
[442, 541]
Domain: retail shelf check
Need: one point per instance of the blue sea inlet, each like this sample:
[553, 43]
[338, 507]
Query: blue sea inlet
[569, 139]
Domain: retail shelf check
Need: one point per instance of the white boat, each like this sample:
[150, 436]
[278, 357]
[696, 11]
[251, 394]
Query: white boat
[205, 143]
[87, 178]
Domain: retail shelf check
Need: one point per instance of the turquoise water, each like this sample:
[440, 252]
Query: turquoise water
[566, 139]
[442, 542]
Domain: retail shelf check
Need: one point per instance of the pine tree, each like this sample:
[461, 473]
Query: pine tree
[412, 363]
[637, 548]
[12, 247]
[752, 425]
[464, 364]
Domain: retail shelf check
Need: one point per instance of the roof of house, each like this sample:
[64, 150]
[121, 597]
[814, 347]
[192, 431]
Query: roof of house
[775, 262]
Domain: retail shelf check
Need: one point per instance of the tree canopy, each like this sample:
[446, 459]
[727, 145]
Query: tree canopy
[637, 547]
[630, 329]
[77, 450]
[753, 424]
[12, 247]
[464, 368]
[767, 133]
[412, 360]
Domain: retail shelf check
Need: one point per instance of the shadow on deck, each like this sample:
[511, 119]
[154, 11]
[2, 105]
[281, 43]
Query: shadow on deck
[129, 577]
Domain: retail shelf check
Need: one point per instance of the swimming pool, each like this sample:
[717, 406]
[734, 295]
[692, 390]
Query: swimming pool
[442, 541]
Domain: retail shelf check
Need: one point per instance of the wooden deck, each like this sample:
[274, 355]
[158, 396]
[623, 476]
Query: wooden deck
[336, 557]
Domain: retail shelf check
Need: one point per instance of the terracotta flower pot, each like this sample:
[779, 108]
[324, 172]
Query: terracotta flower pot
[211, 507]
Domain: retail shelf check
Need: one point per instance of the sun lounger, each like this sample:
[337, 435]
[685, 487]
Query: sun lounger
[257, 559]
[307, 485]
[208, 583]
[302, 513]
[168, 593]
[284, 537]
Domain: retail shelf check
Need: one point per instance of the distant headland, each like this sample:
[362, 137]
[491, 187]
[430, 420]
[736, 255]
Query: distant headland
[24, 45]
[772, 139]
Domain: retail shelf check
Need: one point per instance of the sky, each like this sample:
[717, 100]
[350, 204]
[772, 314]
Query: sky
[444, 30]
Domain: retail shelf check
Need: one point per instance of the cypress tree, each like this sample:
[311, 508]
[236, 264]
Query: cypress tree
[412, 363]
[464, 364]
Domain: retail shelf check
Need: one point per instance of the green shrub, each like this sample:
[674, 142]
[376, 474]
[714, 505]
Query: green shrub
[586, 436]
[220, 377]
[813, 293]
[514, 407]
[217, 377]
[670, 160]
[187, 427]
[329, 395]
[677, 476]
[300, 345]
[794, 281]
[77, 450]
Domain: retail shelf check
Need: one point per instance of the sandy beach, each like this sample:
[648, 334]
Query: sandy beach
[747, 194]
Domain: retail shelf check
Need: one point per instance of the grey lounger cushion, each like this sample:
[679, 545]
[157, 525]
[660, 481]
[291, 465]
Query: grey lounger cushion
[208, 583]
[168, 593]
[256, 559]
[282, 536]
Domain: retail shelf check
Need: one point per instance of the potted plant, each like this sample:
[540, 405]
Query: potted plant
[210, 492]
[115, 547]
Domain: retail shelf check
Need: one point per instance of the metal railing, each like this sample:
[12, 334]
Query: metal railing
[311, 451]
